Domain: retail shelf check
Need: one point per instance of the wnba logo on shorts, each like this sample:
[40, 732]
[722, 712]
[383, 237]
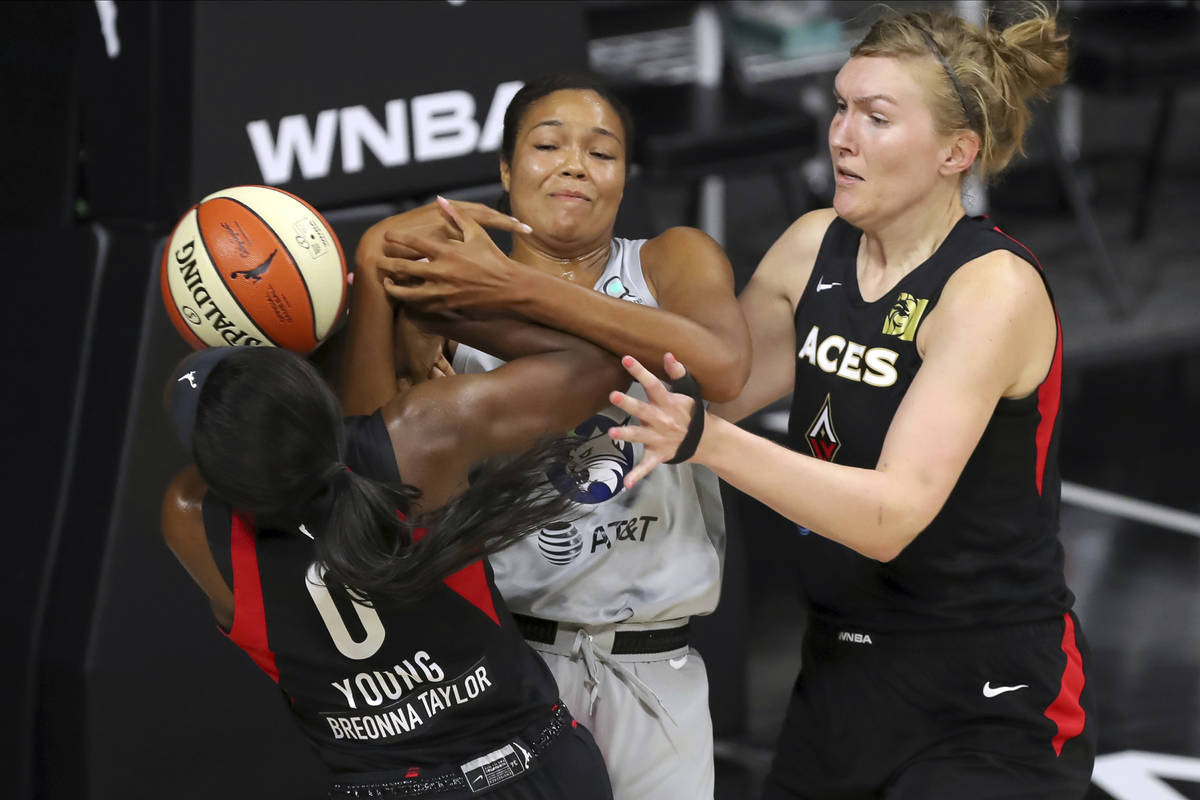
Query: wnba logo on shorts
[560, 543]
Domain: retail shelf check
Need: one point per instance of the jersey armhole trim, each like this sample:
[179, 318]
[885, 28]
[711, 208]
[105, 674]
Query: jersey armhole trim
[249, 629]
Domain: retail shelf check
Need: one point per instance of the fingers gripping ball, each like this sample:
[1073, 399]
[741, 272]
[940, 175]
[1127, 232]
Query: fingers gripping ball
[256, 266]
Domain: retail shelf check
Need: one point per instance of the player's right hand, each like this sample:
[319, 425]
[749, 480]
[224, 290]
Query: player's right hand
[430, 221]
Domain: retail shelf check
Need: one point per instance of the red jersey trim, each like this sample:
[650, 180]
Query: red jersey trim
[1050, 391]
[470, 582]
[1049, 402]
[1066, 712]
[249, 630]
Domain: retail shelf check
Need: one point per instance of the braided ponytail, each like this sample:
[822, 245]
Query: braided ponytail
[269, 439]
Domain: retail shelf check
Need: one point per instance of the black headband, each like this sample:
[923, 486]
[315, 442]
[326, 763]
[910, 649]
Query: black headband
[958, 87]
[187, 381]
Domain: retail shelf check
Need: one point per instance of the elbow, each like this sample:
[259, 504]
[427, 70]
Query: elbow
[891, 540]
[885, 551]
[726, 379]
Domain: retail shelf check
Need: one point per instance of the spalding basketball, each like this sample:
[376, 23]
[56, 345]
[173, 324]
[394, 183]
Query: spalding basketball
[253, 265]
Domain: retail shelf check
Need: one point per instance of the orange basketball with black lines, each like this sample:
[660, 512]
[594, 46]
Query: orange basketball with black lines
[254, 266]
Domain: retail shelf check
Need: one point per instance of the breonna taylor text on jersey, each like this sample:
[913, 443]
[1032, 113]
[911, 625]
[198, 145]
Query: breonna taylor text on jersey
[648, 554]
[992, 554]
[377, 689]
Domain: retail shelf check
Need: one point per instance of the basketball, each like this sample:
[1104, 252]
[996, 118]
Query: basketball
[253, 266]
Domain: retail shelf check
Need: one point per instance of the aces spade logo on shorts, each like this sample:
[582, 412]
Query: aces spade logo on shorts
[597, 466]
[823, 440]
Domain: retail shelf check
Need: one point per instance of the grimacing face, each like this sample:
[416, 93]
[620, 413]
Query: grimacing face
[887, 154]
[567, 173]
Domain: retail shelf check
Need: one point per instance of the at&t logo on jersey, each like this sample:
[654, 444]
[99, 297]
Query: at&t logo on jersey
[597, 466]
[560, 543]
[822, 438]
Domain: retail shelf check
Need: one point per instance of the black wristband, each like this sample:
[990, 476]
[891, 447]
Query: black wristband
[687, 448]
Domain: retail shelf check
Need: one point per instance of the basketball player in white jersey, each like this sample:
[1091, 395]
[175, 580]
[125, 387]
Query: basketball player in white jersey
[605, 598]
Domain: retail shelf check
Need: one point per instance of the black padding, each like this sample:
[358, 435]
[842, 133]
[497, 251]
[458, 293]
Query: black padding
[687, 448]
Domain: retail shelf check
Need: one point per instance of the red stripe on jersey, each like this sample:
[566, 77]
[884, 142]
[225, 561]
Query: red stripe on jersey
[1050, 392]
[249, 630]
[1066, 712]
[470, 582]
[1049, 402]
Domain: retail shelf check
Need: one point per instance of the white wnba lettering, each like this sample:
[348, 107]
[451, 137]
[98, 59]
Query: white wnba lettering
[389, 145]
[295, 142]
[856, 638]
[443, 125]
[836, 355]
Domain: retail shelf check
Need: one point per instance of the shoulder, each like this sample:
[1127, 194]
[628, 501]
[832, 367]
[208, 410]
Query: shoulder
[183, 518]
[430, 426]
[803, 238]
[788, 264]
[681, 247]
[998, 278]
[997, 300]
[183, 500]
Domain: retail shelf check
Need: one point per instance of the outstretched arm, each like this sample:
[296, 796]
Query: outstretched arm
[698, 316]
[441, 428]
[967, 368]
[769, 303]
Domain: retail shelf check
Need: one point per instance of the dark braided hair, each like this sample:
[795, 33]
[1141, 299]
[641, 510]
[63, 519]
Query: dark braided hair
[269, 440]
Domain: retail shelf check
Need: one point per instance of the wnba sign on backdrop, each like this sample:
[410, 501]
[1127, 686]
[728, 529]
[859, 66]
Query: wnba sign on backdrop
[347, 103]
[427, 128]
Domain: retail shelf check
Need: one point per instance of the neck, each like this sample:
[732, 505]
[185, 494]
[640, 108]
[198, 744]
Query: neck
[907, 239]
[570, 263]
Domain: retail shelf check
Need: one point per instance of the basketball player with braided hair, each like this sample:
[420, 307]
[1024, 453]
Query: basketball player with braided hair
[346, 556]
[922, 347]
[607, 596]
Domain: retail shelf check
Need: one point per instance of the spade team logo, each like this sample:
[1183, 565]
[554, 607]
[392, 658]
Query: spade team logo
[597, 466]
[823, 440]
[560, 543]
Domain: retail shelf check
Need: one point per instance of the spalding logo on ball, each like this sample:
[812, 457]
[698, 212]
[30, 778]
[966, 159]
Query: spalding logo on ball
[256, 266]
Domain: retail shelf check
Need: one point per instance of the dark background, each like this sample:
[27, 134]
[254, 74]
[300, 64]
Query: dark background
[125, 689]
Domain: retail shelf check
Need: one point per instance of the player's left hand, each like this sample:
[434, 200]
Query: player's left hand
[664, 417]
[471, 273]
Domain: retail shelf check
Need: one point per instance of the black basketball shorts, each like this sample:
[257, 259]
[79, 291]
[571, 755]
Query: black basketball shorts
[1003, 713]
[535, 766]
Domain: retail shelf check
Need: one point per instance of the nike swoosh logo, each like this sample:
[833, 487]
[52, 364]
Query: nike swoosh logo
[823, 286]
[992, 691]
[677, 663]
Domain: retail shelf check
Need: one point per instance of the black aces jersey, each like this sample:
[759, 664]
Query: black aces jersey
[378, 689]
[992, 554]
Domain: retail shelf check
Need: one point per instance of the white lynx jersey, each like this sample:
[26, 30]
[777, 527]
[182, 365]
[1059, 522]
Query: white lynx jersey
[645, 554]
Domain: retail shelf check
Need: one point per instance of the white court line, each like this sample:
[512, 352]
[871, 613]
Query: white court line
[1140, 510]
